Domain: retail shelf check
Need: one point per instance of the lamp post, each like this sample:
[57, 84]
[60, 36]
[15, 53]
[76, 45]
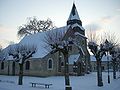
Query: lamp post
[114, 57]
[108, 68]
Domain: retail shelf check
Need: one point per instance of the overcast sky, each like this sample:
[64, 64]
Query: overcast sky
[103, 15]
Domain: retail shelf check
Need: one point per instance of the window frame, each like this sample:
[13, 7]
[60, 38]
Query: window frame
[49, 64]
[27, 65]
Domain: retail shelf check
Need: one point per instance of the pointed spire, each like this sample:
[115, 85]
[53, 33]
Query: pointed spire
[73, 9]
[74, 13]
[74, 17]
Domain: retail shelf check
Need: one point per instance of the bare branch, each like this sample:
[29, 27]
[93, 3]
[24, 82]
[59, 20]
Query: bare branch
[92, 36]
[111, 37]
[33, 26]
[22, 52]
[53, 37]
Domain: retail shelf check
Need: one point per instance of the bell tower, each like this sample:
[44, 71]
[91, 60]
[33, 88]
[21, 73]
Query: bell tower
[74, 17]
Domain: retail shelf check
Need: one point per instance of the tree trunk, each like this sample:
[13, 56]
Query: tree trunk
[20, 81]
[86, 66]
[79, 69]
[114, 69]
[99, 73]
[67, 80]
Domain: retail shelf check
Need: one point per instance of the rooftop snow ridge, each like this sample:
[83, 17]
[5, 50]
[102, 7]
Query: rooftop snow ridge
[77, 25]
[104, 58]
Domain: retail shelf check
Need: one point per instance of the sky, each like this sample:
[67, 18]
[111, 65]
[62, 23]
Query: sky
[101, 15]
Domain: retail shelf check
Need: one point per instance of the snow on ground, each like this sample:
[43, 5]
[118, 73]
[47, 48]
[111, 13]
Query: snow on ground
[87, 82]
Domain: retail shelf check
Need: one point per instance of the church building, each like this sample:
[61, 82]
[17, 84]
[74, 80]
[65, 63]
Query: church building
[44, 63]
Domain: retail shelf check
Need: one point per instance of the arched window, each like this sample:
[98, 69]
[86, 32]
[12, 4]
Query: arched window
[50, 63]
[2, 65]
[27, 65]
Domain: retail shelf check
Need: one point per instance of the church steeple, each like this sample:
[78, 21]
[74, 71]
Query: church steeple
[74, 17]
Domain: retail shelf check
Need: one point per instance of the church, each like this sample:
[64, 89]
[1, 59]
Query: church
[44, 63]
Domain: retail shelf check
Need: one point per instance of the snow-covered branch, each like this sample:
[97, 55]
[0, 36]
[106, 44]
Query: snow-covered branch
[22, 52]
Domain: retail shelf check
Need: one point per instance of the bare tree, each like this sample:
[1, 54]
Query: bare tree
[3, 55]
[118, 58]
[92, 36]
[115, 54]
[33, 26]
[111, 37]
[98, 52]
[107, 45]
[21, 53]
[55, 40]
[112, 49]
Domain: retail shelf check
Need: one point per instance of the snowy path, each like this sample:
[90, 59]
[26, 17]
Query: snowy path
[87, 82]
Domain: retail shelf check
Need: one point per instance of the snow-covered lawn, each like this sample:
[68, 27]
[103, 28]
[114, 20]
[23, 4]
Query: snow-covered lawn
[87, 82]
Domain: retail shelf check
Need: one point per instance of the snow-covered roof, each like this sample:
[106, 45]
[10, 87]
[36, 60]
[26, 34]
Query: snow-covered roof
[77, 33]
[5, 52]
[76, 25]
[38, 40]
[73, 58]
[104, 58]
[74, 13]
